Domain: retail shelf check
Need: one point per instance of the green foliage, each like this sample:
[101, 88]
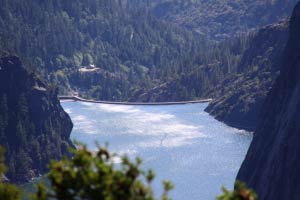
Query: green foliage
[240, 192]
[2, 164]
[221, 19]
[7, 191]
[59, 37]
[93, 175]
[56, 35]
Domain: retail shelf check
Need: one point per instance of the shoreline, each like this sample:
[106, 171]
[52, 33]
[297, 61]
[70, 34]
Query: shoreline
[76, 98]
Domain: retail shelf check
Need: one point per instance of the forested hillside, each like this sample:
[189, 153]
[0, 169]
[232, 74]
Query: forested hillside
[139, 57]
[34, 128]
[200, 81]
[132, 48]
[221, 19]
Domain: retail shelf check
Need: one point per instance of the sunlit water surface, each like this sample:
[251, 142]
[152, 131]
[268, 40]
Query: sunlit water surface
[181, 143]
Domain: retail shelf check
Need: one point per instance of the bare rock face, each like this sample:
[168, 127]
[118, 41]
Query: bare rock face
[34, 128]
[241, 95]
[272, 164]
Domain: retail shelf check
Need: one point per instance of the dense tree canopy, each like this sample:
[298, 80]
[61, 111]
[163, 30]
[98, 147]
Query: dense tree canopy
[135, 51]
[220, 19]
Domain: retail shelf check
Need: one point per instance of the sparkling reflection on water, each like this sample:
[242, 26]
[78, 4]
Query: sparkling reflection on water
[181, 143]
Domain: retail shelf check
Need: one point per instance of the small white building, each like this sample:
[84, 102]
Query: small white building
[89, 68]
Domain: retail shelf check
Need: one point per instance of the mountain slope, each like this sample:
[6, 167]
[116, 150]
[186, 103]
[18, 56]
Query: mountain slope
[222, 19]
[140, 57]
[59, 37]
[239, 97]
[34, 128]
[207, 71]
[272, 163]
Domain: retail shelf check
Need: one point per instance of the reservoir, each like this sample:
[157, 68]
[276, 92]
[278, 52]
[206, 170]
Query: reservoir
[181, 143]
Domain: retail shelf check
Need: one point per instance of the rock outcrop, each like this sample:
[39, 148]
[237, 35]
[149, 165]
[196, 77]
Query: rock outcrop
[240, 96]
[272, 164]
[34, 128]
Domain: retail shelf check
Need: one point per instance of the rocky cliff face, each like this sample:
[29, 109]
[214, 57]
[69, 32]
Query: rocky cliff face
[33, 126]
[240, 96]
[272, 164]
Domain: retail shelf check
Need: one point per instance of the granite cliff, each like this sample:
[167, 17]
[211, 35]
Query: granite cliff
[34, 128]
[272, 164]
[239, 97]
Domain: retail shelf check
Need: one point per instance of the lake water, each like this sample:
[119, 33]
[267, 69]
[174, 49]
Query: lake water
[180, 143]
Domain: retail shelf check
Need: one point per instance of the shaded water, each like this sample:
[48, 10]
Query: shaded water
[181, 143]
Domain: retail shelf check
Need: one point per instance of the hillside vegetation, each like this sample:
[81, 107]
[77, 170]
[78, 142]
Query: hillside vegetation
[222, 19]
[140, 58]
[131, 47]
